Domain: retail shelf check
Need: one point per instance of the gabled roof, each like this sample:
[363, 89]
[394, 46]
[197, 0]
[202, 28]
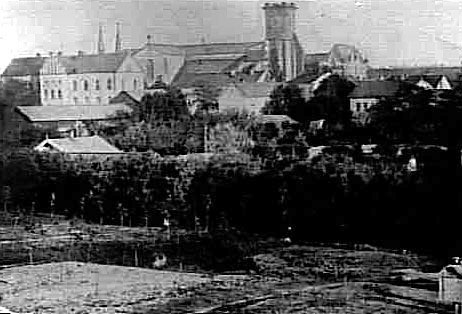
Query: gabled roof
[256, 90]
[125, 96]
[78, 145]
[24, 66]
[105, 62]
[71, 112]
[375, 89]
[453, 271]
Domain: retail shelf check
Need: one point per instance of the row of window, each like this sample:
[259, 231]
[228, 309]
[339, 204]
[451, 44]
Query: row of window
[109, 85]
[52, 95]
[86, 100]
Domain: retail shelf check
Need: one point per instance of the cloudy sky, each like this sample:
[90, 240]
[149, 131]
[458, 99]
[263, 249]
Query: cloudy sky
[390, 32]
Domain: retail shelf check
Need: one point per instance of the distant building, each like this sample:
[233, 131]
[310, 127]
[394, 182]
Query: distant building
[91, 145]
[89, 79]
[241, 97]
[367, 94]
[342, 59]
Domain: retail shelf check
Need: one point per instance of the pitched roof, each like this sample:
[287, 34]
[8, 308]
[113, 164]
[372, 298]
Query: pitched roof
[275, 118]
[453, 270]
[78, 145]
[372, 89]
[218, 48]
[105, 62]
[317, 57]
[71, 112]
[256, 90]
[24, 66]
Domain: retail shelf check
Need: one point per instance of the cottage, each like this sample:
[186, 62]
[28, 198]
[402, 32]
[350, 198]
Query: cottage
[450, 284]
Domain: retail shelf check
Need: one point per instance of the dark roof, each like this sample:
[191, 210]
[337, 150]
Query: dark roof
[24, 66]
[452, 73]
[125, 97]
[106, 62]
[373, 89]
[71, 112]
[79, 145]
[305, 78]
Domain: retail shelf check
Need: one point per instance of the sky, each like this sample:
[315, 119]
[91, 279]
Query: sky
[389, 32]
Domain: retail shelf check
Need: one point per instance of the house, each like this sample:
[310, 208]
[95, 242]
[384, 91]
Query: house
[241, 97]
[68, 118]
[367, 94]
[78, 146]
[450, 284]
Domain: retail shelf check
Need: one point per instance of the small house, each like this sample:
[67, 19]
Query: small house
[450, 284]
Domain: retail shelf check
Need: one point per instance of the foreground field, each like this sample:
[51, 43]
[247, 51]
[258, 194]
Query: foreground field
[71, 287]
[321, 279]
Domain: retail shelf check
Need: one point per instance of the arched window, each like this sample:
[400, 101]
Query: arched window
[85, 85]
[52, 94]
[109, 84]
[74, 85]
[45, 93]
[97, 84]
[76, 101]
[60, 95]
[135, 84]
[87, 100]
[98, 100]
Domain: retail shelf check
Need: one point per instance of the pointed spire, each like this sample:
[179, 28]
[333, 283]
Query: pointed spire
[118, 42]
[100, 40]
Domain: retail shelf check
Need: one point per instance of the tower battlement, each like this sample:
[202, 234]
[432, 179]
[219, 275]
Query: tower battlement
[279, 5]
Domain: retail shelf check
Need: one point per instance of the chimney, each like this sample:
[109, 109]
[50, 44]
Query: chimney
[79, 53]
[118, 42]
[149, 39]
[38, 55]
[60, 53]
[100, 40]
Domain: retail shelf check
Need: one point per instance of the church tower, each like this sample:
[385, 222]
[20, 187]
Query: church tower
[100, 40]
[281, 40]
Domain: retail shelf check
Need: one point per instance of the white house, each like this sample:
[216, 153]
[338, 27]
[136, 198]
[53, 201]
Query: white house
[77, 145]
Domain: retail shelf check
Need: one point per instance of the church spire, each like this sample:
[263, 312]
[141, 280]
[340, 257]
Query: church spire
[118, 42]
[100, 40]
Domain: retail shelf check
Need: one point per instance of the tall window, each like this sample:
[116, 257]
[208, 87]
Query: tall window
[135, 84]
[76, 101]
[123, 84]
[97, 84]
[85, 85]
[45, 93]
[52, 94]
[60, 95]
[98, 100]
[74, 85]
[109, 84]
[87, 100]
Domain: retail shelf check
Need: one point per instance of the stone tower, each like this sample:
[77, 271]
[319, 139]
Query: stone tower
[281, 39]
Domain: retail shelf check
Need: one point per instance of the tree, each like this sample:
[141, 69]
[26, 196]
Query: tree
[206, 97]
[285, 100]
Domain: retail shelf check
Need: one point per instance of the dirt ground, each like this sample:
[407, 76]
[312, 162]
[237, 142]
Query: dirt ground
[70, 287]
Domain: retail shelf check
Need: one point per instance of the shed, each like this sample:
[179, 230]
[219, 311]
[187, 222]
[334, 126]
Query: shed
[450, 284]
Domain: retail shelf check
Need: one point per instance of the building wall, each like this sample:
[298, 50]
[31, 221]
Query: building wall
[232, 100]
[360, 108]
[450, 288]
